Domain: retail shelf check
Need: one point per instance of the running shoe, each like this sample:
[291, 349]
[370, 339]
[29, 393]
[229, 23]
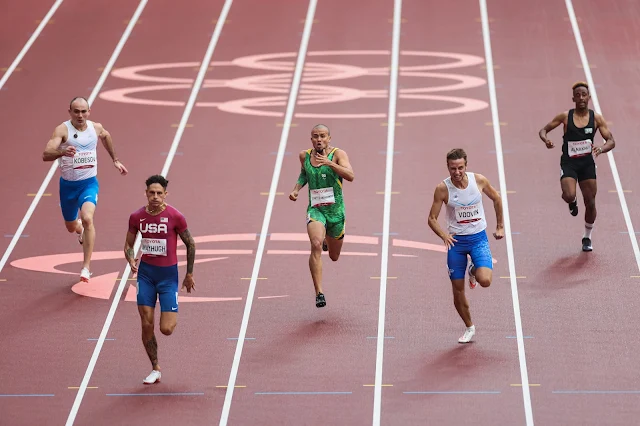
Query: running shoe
[573, 208]
[468, 334]
[324, 245]
[152, 378]
[85, 275]
[586, 244]
[320, 302]
[472, 278]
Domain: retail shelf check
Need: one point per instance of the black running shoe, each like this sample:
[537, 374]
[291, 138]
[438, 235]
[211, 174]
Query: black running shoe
[320, 302]
[586, 244]
[573, 208]
[324, 245]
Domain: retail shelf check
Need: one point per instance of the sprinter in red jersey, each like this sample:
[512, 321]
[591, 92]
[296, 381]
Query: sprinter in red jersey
[160, 225]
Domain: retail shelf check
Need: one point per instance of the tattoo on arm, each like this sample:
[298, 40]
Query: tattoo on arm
[190, 244]
[130, 254]
[151, 347]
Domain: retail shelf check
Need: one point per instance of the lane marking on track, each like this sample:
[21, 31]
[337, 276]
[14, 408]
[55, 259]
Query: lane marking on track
[90, 100]
[304, 393]
[42, 23]
[394, 68]
[596, 105]
[291, 103]
[461, 392]
[158, 394]
[524, 375]
[174, 146]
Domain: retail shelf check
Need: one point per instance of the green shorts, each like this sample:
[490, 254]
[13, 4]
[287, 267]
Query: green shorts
[334, 223]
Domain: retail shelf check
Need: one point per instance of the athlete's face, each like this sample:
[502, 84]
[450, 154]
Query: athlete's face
[156, 194]
[79, 112]
[320, 139]
[457, 169]
[581, 97]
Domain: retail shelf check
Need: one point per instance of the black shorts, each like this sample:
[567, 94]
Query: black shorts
[579, 170]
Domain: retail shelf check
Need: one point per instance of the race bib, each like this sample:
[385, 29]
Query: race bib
[85, 160]
[466, 214]
[154, 246]
[322, 197]
[579, 148]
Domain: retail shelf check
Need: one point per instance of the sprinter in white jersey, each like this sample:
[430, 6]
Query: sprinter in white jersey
[465, 234]
[75, 143]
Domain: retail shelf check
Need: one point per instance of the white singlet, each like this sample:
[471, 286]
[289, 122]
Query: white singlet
[84, 164]
[464, 211]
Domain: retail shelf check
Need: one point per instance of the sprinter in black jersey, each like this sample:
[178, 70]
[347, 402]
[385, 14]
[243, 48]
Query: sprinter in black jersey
[577, 162]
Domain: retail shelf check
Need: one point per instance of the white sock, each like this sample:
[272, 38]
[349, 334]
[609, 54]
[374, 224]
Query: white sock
[588, 227]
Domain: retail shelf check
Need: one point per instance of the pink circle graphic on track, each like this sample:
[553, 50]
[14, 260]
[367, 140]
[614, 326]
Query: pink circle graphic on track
[101, 287]
[275, 79]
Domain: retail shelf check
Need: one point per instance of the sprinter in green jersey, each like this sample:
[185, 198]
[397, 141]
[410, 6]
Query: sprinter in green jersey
[323, 167]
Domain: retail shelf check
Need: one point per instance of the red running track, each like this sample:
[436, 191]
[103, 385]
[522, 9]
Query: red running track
[575, 307]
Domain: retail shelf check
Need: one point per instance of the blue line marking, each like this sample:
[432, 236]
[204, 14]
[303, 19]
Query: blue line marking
[450, 392]
[158, 394]
[303, 393]
[26, 394]
[598, 392]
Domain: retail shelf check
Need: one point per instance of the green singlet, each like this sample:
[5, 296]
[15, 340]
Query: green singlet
[325, 196]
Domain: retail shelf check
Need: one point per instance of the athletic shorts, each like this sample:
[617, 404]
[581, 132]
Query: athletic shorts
[158, 282]
[74, 193]
[333, 223]
[475, 245]
[578, 169]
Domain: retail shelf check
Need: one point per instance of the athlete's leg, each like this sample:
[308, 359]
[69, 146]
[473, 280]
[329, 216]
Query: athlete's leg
[335, 236]
[589, 188]
[146, 299]
[316, 231]
[148, 336]
[168, 297]
[568, 180]
[69, 205]
[457, 266]
[89, 234]
[482, 260]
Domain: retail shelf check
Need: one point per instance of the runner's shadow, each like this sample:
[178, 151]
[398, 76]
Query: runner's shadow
[565, 273]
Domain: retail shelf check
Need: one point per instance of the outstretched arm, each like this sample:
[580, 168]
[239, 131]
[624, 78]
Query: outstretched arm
[439, 196]
[609, 142]
[190, 244]
[491, 192]
[557, 120]
[107, 142]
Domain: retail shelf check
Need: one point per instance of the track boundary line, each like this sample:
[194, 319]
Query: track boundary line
[493, 98]
[291, 103]
[197, 85]
[388, 185]
[596, 104]
[29, 43]
[54, 166]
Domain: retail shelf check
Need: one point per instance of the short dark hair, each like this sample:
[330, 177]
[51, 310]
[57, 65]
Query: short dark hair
[157, 179]
[456, 154]
[580, 84]
[321, 127]
[76, 98]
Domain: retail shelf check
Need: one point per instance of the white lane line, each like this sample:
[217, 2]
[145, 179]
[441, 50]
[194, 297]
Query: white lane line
[293, 95]
[526, 396]
[391, 131]
[165, 170]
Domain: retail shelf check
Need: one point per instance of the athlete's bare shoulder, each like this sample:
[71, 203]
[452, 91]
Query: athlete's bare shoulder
[302, 155]
[60, 132]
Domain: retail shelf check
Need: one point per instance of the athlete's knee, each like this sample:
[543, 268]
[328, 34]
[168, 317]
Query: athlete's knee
[167, 329]
[590, 202]
[568, 196]
[71, 226]
[316, 243]
[334, 256]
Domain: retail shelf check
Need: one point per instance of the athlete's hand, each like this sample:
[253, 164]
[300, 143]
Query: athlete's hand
[134, 268]
[449, 240]
[293, 196]
[121, 168]
[188, 283]
[322, 160]
[597, 150]
[69, 151]
[548, 143]
[499, 234]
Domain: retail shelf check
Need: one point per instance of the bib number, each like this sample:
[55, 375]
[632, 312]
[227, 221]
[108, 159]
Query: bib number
[467, 214]
[579, 148]
[154, 246]
[322, 197]
[85, 160]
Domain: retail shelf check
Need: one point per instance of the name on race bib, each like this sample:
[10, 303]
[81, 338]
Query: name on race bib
[322, 197]
[154, 246]
[85, 160]
[579, 148]
[466, 214]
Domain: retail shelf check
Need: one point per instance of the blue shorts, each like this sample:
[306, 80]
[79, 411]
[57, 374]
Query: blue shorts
[73, 194]
[475, 245]
[158, 282]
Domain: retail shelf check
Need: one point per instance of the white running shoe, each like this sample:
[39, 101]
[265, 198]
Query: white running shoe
[85, 275]
[81, 235]
[152, 378]
[472, 278]
[468, 334]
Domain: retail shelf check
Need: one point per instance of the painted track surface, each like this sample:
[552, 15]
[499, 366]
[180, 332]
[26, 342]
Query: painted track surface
[575, 307]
